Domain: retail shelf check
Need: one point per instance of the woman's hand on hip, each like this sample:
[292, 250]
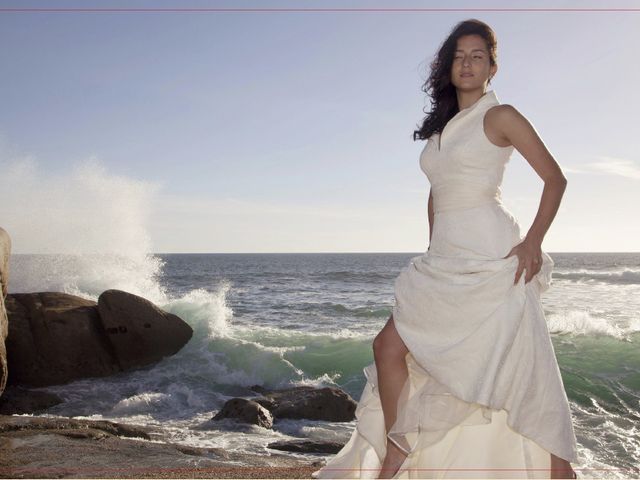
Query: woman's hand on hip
[529, 254]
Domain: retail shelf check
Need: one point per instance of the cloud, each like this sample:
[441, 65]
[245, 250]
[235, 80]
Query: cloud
[610, 166]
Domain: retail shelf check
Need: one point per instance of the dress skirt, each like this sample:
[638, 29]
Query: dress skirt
[484, 397]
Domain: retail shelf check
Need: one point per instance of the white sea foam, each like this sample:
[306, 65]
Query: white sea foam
[582, 322]
[623, 275]
[140, 404]
[204, 309]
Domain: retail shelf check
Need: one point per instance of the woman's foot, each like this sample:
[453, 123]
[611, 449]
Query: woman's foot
[393, 460]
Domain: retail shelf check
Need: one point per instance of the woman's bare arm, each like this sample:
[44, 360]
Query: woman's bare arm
[511, 126]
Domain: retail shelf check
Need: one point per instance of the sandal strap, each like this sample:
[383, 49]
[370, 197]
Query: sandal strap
[400, 447]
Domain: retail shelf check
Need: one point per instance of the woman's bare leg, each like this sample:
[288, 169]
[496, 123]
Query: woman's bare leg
[560, 468]
[389, 352]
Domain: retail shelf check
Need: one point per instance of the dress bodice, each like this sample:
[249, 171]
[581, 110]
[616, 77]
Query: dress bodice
[464, 167]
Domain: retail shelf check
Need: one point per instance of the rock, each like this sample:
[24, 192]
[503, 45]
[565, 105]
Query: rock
[139, 332]
[307, 446]
[259, 389]
[267, 403]
[246, 411]
[18, 400]
[329, 403]
[18, 423]
[32, 447]
[5, 253]
[56, 337]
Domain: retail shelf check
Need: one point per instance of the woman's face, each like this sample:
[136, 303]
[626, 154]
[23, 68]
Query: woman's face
[471, 67]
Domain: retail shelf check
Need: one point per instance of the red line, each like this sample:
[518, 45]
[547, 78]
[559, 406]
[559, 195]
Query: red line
[588, 469]
[242, 10]
[212, 468]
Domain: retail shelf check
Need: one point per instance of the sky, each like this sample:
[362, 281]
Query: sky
[275, 131]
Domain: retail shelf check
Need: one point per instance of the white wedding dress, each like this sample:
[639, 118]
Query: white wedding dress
[484, 397]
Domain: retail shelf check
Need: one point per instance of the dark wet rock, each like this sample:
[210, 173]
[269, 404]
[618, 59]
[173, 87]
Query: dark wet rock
[329, 403]
[139, 332]
[259, 389]
[266, 402]
[245, 411]
[306, 446]
[18, 400]
[56, 337]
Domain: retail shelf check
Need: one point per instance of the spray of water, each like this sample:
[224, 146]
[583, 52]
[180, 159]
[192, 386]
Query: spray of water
[87, 226]
[84, 231]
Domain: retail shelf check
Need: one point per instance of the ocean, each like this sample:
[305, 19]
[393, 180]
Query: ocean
[280, 320]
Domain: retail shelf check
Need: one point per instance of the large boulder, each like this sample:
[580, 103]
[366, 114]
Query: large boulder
[5, 253]
[56, 337]
[138, 331]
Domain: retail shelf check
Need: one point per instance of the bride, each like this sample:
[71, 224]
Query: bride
[465, 382]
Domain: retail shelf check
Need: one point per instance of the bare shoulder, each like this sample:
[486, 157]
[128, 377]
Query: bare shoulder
[494, 119]
[504, 125]
[504, 109]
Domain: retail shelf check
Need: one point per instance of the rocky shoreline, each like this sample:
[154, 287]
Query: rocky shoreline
[52, 338]
[42, 447]
[46, 447]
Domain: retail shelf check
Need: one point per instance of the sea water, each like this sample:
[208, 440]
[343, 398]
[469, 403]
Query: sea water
[281, 320]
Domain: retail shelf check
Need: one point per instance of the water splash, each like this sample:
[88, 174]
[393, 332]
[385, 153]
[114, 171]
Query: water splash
[91, 226]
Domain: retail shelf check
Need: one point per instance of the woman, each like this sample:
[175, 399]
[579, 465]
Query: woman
[465, 381]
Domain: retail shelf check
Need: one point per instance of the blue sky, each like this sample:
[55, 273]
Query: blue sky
[291, 132]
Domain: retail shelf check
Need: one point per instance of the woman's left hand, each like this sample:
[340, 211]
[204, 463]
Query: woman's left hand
[529, 254]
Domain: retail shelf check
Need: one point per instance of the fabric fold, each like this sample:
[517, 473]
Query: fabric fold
[485, 350]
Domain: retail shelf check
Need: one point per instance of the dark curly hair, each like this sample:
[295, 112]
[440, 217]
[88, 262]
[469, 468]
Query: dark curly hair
[444, 101]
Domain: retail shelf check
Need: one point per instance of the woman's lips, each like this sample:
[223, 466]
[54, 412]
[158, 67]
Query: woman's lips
[467, 75]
